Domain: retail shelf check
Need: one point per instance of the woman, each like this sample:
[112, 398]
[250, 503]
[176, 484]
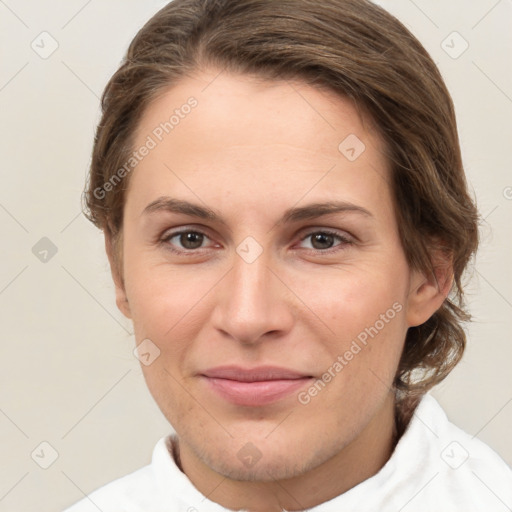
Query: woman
[287, 221]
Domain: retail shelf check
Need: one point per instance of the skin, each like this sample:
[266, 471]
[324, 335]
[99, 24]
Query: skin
[250, 150]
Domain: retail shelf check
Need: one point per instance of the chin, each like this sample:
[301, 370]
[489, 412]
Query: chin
[273, 468]
[266, 459]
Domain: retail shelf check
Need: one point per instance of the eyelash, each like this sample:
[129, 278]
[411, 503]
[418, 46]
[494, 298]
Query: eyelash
[345, 241]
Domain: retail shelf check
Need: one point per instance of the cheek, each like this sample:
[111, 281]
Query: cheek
[365, 312]
[167, 305]
[351, 300]
[367, 325]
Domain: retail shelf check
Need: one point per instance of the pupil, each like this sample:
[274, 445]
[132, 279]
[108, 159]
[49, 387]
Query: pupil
[321, 237]
[191, 238]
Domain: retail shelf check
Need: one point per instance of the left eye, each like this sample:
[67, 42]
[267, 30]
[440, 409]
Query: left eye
[321, 239]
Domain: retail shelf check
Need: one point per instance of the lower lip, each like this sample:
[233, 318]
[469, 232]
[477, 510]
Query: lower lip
[255, 393]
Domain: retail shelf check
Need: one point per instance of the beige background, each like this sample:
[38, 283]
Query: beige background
[67, 373]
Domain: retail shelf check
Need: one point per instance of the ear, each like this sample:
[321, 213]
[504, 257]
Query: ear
[428, 292]
[114, 258]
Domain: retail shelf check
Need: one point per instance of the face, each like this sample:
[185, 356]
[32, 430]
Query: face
[277, 323]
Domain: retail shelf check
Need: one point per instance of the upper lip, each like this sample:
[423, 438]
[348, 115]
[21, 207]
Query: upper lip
[259, 373]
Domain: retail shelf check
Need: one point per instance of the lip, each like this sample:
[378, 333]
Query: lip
[254, 386]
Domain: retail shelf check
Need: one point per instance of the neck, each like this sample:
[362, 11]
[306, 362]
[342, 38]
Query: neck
[356, 462]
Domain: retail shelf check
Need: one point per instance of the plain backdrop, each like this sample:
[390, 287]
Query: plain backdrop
[68, 377]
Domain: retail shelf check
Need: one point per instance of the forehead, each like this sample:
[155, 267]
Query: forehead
[220, 131]
[243, 106]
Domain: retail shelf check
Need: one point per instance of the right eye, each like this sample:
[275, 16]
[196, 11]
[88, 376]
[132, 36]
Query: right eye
[190, 240]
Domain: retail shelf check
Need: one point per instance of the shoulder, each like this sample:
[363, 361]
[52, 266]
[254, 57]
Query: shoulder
[116, 494]
[459, 470]
[130, 493]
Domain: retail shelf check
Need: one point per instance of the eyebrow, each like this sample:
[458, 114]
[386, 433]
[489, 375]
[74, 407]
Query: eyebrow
[295, 214]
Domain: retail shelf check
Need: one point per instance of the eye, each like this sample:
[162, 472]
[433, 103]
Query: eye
[189, 240]
[323, 240]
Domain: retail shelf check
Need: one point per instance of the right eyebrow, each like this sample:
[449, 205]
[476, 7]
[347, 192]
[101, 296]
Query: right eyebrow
[171, 204]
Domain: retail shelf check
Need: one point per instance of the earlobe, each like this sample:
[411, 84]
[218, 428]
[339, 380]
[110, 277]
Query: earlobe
[116, 272]
[427, 293]
[122, 302]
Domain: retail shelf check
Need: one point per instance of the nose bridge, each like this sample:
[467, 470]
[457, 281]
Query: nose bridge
[250, 280]
[254, 301]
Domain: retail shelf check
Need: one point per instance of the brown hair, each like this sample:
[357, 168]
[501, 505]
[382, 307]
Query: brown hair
[361, 52]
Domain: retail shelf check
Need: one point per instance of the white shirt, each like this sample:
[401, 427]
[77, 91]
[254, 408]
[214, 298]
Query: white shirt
[435, 467]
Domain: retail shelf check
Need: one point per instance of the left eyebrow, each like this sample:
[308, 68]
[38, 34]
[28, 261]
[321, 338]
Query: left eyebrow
[311, 211]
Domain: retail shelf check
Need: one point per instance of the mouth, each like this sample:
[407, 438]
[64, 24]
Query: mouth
[254, 387]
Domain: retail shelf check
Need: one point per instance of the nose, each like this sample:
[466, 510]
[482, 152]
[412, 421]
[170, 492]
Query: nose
[253, 302]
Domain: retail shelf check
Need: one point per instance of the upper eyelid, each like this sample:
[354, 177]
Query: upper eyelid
[310, 229]
[172, 232]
